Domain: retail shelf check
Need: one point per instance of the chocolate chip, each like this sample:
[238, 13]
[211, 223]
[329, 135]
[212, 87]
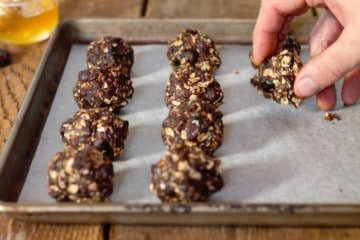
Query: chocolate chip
[105, 147]
[266, 84]
[4, 57]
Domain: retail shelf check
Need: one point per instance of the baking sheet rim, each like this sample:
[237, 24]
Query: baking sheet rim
[189, 214]
[35, 212]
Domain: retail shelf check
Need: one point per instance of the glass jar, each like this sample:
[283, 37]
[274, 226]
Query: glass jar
[27, 21]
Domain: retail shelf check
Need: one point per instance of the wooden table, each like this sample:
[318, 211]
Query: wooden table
[16, 78]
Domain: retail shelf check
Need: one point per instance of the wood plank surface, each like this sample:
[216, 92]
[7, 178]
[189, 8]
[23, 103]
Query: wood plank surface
[70, 9]
[14, 82]
[202, 9]
[206, 9]
[16, 78]
[297, 233]
[17, 230]
[171, 233]
[232, 233]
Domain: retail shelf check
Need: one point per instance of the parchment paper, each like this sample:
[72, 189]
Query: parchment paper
[270, 154]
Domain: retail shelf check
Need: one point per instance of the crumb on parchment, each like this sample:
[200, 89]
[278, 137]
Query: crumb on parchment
[331, 117]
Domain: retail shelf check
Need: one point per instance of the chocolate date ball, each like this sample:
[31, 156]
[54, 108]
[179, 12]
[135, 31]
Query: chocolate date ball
[95, 127]
[192, 48]
[185, 175]
[276, 76]
[103, 88]
[109, 52]
[80, 176]
[196, 124]
[192, 84]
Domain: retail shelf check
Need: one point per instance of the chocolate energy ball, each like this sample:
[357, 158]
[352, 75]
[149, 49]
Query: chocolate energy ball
[109, 88]
[196, 124]
[185, 175]
[192, 85]
[80, 176]
[95, 127]
[275, 77]
[109, 52]
[192, 48]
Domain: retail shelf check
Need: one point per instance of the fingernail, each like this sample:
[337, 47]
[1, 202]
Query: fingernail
[307, 87]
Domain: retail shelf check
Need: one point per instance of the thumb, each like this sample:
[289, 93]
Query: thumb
[329, 66]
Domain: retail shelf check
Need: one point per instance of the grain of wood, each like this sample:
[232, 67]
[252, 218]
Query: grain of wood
[14, 82]
[70, 9]
[206, 9]
[297, 233]
[231, 233]
[203, 9]
[18, 230]
[119, 232]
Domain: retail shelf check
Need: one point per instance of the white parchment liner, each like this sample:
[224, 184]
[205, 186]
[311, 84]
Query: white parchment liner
[270, 154]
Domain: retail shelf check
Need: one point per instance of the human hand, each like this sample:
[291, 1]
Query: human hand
[334, 46]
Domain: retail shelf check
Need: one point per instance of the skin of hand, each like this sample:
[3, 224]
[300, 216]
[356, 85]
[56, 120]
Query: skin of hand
[334, 46]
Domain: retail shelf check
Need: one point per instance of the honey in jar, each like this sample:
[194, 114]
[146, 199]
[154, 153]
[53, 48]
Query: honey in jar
[27, 21]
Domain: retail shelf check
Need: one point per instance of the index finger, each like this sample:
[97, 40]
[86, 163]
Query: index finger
[272, 25]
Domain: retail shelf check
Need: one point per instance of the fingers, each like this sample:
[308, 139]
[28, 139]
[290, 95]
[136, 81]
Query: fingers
[326, 30]
[333, 48]
[351, 88]
[326, 99]
[272, 25]
[327, 67]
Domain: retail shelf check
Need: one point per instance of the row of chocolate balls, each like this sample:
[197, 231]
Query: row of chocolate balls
[94, 136]
[193, 129]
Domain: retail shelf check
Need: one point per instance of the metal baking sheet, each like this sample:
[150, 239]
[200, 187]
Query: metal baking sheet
[281, 166]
